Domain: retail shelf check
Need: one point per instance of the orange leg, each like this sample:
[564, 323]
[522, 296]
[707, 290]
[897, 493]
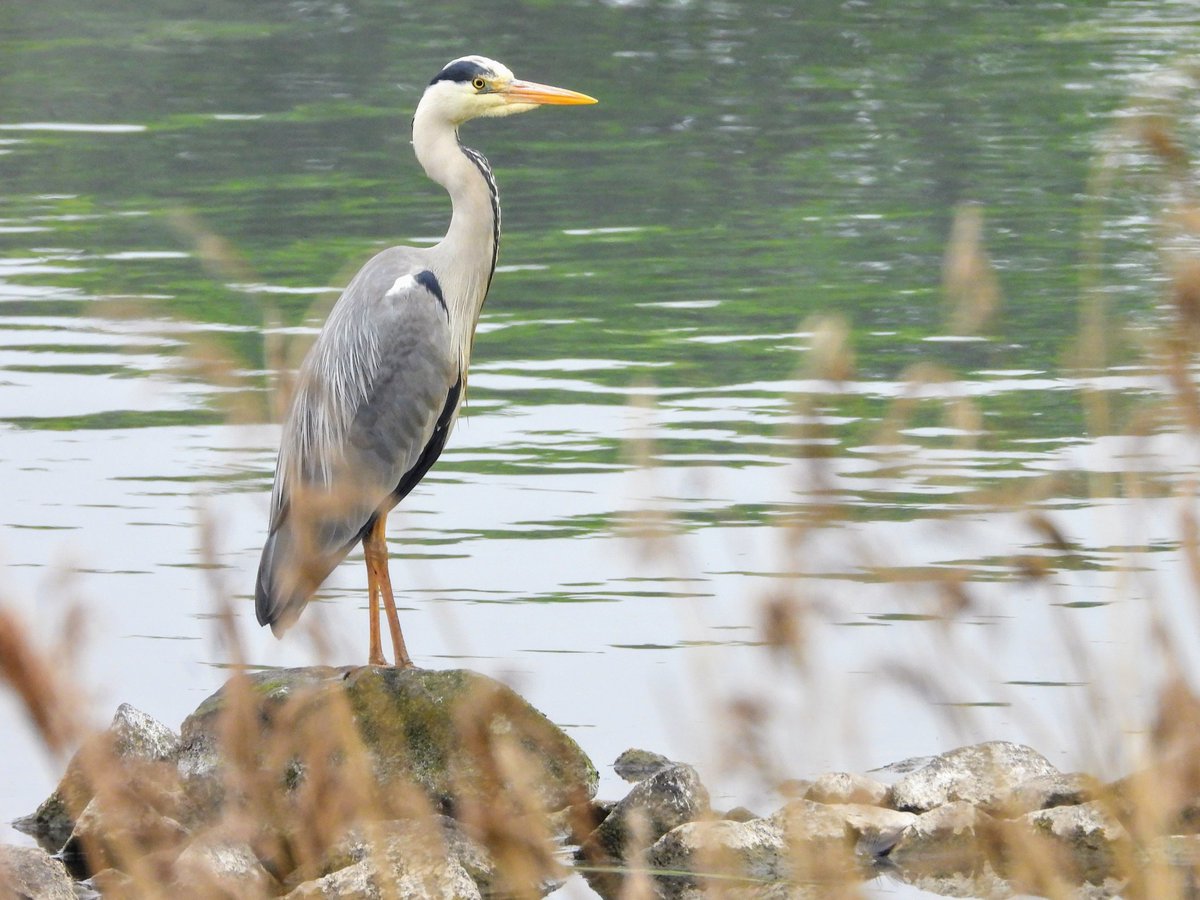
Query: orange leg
[375, 548]
[375, 651]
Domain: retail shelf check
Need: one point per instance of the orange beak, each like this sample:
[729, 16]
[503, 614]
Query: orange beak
[532, 92]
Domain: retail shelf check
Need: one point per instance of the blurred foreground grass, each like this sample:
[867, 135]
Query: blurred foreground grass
[1157, 802]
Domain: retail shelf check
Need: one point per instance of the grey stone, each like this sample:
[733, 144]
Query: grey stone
[52, 822]
[666, 799]
[820, 838]
[756, 849]
[32, 872]
[637, 765]
[433, 838]
[876, 828]
[818, 826]
[1109, 887]
[395, 874]
[214, 866]
[1094, 840]
[136, 735]
[834, 832]
[133, 743]
[843, 787]
[573, 824]
[801, 844]
[958, 850]
[101, 840]
[943, 841]
[469, 854]
[981, 774]
[1046, 791]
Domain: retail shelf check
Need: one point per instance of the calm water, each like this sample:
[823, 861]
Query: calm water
[181, 187]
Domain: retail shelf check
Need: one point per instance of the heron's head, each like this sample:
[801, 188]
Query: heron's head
[474, 86]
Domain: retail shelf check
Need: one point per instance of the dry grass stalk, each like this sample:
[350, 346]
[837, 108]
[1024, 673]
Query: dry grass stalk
[968, 278]
[830, 356]
[506, 816]
[40, 684]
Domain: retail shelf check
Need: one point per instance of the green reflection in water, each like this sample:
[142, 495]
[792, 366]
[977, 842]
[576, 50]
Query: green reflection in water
[751, 165]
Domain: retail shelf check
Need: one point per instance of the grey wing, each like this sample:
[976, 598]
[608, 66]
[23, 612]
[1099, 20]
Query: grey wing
[377, 397]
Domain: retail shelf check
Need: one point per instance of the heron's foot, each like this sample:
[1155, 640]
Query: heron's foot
[376, 659]
[381, 663]
[403, 660]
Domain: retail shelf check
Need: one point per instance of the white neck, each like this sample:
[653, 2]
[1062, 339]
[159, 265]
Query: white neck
[464, 258]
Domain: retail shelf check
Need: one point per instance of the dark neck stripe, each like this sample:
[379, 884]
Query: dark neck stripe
[486, 171]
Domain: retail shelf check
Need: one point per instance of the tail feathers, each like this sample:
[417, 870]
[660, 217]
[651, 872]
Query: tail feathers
[286, 580]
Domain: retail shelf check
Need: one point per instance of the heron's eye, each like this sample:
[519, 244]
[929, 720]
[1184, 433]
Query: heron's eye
[478, 83]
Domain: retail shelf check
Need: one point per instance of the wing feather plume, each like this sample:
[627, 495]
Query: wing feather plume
[377, 392]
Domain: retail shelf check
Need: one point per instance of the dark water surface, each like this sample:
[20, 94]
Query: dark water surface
[181, 186]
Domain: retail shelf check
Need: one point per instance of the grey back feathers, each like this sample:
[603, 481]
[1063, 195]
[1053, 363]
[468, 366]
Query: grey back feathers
[370, 396]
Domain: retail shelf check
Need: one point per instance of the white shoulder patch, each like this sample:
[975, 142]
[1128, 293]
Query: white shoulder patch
[400, 285]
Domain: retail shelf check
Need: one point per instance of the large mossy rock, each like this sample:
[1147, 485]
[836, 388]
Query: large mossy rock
[459, 737]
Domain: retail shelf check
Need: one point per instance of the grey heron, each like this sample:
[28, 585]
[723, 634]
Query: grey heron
[380, 389]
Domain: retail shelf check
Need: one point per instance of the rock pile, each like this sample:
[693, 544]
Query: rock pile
[994, 819]
[370, 783]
